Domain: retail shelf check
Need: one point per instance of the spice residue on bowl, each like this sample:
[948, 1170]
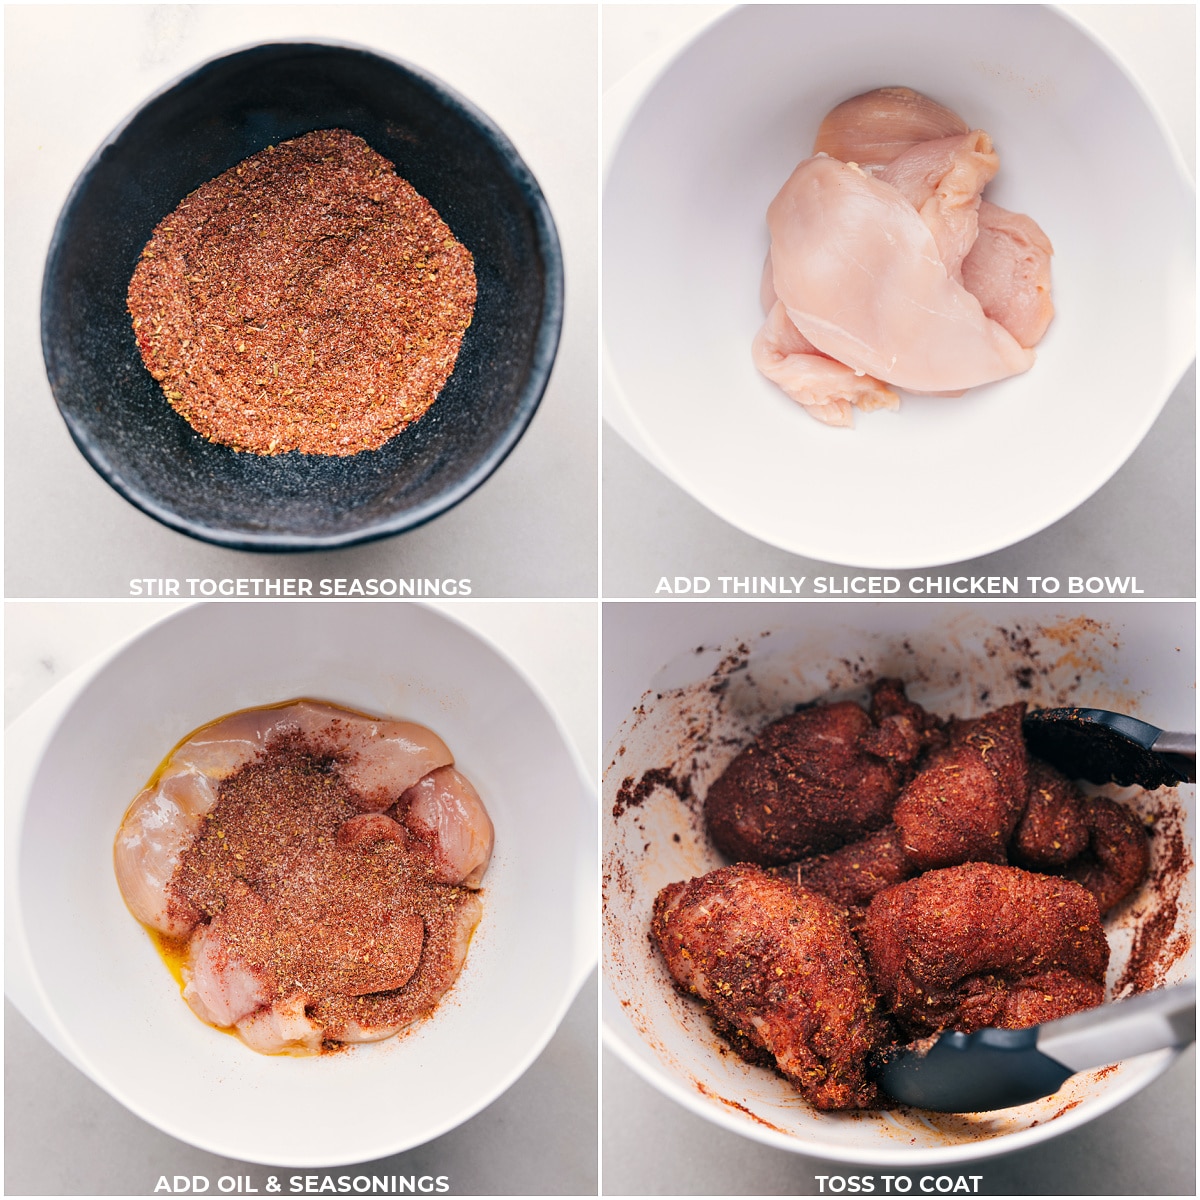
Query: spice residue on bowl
[312, 871]
[306, 299]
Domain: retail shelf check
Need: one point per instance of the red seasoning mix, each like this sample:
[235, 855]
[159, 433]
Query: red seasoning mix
[307, 299]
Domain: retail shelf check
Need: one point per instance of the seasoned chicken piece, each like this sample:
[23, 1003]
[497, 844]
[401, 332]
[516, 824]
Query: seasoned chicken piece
[965, 802]
[1117, 858]
[943, 180]
[826, 389]
[877, 127]
[853, 875]
[1008, 272]
[809, 782]
[370, 1018]
[984, 945]
[860, 276]
[778, 966]
[905, 728]
[1051, 831]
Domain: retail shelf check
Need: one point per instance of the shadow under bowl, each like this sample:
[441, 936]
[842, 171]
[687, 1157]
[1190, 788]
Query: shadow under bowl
[213, 118]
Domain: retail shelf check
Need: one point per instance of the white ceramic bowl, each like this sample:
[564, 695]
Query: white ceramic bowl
[88, 975]
[685, 237]
[660, 666]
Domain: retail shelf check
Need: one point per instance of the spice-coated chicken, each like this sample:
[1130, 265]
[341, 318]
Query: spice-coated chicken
[965, 803]
[781, 973]
[816, 779]
[851, 876]
[1117, 857]
[984, 945]
[1051, 831]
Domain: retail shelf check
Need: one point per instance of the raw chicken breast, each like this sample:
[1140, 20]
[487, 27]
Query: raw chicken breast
[382, 757]
[445, 812]
[860, 276]
[282, 1028]
[943, 180]
[828, 390]
[877, 127]
[219, 986]
[156, 831]
[1008, 271]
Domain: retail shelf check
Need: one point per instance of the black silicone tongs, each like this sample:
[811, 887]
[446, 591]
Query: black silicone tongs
[1109, 747]
[997, 1068]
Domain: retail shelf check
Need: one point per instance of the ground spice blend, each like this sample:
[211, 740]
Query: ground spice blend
[307, 299]
[353, 926]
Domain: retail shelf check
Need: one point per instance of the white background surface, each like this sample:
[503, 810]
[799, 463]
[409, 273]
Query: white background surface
[1141, 523]
[72, 73]
[65, 1136]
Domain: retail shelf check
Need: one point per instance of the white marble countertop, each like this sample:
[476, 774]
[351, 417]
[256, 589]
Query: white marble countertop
[65, 1136]
[72, 73]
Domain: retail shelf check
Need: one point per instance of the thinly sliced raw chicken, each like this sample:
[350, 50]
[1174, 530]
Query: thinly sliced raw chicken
[943, 180]
[382, 758]
[877, 127]
[445, 812]
[219, 986]
[282, 1028]
[1008, 271]
[152, 838]
[828, 390]
[385, 758]
[860, 276]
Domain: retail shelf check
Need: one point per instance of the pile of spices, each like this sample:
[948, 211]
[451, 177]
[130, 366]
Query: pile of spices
[321, 909]
[307, 299]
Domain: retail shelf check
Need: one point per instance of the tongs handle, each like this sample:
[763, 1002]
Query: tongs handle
[1152, 1021]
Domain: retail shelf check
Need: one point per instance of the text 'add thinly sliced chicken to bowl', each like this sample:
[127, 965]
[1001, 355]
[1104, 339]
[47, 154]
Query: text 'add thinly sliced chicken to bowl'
[888, 270]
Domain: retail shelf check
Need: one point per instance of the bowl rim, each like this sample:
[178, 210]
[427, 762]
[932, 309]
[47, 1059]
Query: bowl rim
[545, 346]
[49, 713]
[674, 1089]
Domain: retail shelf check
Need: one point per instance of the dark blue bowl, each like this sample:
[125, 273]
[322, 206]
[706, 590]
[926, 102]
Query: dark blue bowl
[216, 116]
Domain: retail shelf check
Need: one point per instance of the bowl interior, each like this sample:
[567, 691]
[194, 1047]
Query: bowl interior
[118, 1009]
[218, 115]
[703, 705]
[685, 239]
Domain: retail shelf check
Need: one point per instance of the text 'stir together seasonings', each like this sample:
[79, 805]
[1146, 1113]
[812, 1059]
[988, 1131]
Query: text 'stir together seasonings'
[307, 299]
